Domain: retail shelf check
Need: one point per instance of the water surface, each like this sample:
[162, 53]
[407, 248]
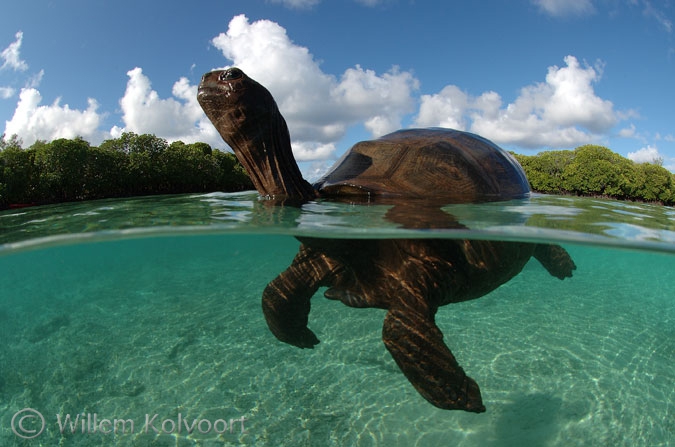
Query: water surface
[151, 306]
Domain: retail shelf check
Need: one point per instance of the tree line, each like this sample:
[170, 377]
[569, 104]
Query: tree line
[67, 170]
[71, 169]
[593, 170]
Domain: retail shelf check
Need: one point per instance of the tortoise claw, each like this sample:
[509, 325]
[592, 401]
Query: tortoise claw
[302, 338]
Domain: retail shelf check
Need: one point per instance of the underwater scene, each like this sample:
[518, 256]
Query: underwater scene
[138, 322]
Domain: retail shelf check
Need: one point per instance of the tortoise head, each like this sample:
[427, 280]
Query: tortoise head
[248, 119]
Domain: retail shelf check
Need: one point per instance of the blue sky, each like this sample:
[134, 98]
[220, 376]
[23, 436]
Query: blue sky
[528, 74]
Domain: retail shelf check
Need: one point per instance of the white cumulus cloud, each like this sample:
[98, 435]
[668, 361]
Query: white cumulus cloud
[11, 55]
[298, 4]
[308, 151]
[6, 92]
[35, 80]
[661, 18]
[32, 121]
[651, 154]
[648, 154]
[565, 8]
[176, 118]
[563, 111]
[370, 3]
[317, 106]
[307, 4]
[628, 132]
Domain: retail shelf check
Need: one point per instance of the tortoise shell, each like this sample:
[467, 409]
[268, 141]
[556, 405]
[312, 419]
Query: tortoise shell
[456, 166]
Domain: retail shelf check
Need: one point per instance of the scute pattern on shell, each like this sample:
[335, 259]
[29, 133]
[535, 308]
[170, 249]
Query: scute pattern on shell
[443, 164]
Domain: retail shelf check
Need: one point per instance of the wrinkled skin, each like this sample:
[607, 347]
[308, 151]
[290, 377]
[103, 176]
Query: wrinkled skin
[416, 171]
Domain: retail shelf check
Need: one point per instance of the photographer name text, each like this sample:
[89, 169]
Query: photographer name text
[29, 423]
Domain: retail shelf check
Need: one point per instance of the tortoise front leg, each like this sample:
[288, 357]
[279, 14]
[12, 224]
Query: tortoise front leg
[555, 260]
[286, 300]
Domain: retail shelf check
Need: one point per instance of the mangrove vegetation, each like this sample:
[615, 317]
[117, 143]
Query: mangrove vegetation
[596, 171]
[67, 170]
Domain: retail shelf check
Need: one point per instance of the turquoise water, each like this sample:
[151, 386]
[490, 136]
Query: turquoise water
[127, 309]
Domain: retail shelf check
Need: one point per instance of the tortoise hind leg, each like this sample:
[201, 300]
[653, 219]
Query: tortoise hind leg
[555, 260]
[417, 346]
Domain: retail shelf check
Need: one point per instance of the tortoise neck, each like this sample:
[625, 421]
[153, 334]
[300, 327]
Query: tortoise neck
[266, 154]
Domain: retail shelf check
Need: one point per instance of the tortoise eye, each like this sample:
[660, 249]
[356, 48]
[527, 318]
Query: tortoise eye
[230, 74]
